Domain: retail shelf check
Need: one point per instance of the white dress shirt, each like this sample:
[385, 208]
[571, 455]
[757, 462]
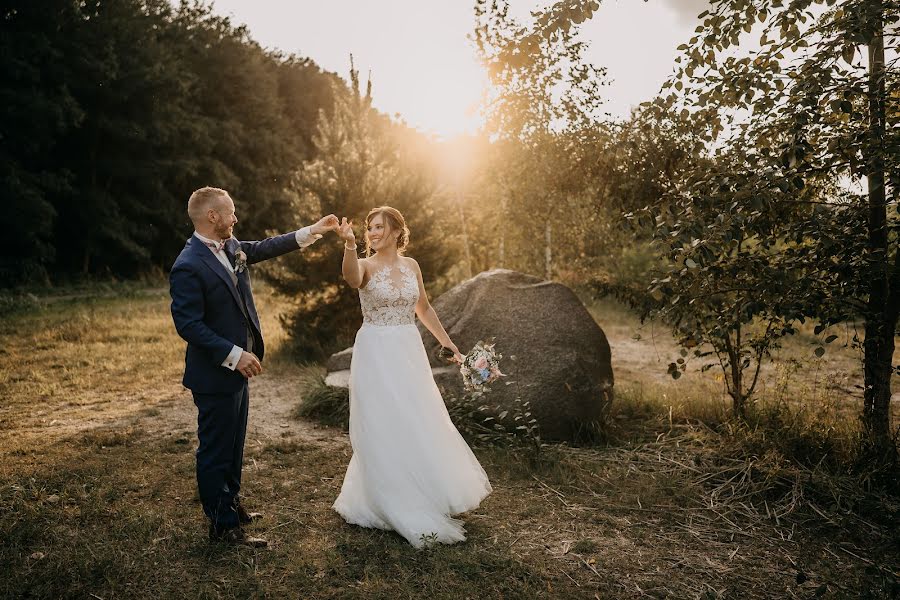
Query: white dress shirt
[304, 238]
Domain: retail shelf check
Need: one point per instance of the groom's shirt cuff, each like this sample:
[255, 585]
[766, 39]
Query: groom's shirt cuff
[233, 357]
[305, 237]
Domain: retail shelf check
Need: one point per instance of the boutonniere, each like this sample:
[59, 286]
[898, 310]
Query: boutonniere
[240, 261]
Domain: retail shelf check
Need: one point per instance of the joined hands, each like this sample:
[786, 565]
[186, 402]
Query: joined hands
[342, 227]
[325, 224]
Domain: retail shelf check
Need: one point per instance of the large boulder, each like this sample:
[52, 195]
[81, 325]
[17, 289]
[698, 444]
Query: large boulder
[554, 354]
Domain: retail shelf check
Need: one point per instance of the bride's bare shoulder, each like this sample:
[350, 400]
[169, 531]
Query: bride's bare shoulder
[413, 266]
[410, 262]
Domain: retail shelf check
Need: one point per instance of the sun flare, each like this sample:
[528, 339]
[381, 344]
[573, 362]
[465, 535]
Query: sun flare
[446, 103]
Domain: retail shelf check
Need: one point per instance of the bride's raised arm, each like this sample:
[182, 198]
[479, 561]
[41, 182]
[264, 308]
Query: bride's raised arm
[351, 268]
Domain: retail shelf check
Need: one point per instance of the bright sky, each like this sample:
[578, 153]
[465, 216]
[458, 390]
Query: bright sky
[425, 70]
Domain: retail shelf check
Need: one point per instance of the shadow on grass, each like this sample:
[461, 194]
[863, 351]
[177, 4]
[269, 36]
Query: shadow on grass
[115, 514]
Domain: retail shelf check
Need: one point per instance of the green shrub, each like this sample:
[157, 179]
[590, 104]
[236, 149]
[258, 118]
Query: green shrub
[324, 403]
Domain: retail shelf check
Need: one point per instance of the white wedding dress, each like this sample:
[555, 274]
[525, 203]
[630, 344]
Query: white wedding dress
[410, 469]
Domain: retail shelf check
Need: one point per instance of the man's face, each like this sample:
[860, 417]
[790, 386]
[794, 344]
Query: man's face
[222, 217]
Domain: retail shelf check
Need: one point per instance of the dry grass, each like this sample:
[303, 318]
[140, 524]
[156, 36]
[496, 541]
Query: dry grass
[98, 496]
[75, 363]
[793, 377]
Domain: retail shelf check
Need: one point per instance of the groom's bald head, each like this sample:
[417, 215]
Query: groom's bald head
[212, 211]
[204, 199]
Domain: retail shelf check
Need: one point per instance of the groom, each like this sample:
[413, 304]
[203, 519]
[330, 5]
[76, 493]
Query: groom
[213, 310]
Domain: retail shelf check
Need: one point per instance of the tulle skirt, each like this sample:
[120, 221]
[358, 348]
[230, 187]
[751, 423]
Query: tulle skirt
[410, 470]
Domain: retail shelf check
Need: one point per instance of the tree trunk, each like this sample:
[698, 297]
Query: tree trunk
[881, 317]
[548, 251]
[734, 381]
[502, 249]
[465, 231]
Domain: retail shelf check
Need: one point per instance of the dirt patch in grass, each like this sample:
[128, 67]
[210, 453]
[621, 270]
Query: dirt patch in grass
[794, 374]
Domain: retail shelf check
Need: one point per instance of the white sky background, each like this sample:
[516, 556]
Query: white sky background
[425, 69]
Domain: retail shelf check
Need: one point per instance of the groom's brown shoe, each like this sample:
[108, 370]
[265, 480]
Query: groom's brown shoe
[247, 517]
[236, 537]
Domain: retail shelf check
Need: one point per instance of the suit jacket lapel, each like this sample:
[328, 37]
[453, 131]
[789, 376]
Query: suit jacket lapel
[218, 268]
[243, 282]
[231, 247]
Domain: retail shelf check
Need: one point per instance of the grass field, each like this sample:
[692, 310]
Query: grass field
[98, 500]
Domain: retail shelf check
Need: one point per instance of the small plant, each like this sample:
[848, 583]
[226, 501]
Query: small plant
[324, 403]
[429, 540]
[481, 423]
[585, 546]
[18, 303]
[109, 438]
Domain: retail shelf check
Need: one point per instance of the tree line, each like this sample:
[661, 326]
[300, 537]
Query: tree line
[115, 111]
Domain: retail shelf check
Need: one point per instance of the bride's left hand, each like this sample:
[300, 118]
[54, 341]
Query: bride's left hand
[456, 353]
[345, 231]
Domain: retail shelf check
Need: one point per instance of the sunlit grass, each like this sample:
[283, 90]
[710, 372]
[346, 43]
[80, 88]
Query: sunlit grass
[94, 358]
[792, 375]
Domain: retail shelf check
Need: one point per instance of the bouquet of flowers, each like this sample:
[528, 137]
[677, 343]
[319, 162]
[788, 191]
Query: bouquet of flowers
[479, 367]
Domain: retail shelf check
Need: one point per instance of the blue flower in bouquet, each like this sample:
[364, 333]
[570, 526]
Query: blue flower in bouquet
[480, 367]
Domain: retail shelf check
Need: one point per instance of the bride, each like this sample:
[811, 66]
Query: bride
[410, 469]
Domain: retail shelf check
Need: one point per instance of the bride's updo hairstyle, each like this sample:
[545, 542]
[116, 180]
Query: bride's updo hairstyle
[394, 221]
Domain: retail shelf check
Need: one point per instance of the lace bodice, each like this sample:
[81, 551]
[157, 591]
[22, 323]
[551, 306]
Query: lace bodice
[389, 299]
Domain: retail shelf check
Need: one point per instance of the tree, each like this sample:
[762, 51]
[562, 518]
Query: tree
[544, 93]
[38, 109]
[361, 160]
[728, 278]
[116, 111]
[126, 78]
[819, 122]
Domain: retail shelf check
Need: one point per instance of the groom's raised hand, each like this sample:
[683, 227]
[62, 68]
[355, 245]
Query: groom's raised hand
[248, 365]
[325, 224]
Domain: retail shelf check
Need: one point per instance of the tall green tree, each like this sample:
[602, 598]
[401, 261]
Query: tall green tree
[126, 78]
[810, 178]
[544, 94]
[116, 111]
[360, 160]
[38, 108]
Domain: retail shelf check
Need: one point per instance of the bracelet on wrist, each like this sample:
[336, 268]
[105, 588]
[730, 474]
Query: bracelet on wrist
[346, 247]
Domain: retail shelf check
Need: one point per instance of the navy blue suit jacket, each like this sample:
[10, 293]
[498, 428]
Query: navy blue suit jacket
[206, 308]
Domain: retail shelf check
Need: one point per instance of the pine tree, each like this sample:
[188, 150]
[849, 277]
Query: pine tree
[361, 160]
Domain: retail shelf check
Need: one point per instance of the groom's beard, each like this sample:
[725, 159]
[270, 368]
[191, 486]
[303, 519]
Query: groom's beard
[223, 233]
